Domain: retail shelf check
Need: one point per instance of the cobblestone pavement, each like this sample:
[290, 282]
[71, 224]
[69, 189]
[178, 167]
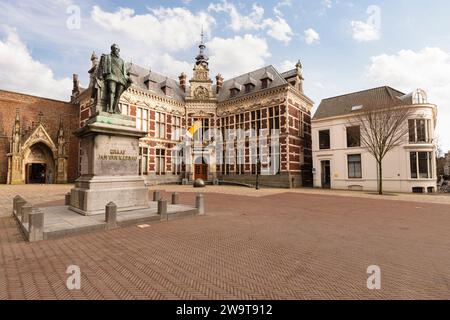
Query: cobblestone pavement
[277, 246]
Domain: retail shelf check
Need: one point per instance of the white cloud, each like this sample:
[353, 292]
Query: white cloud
[311, 36]
[407, 70]
[365, 32]
[235, 56]
[22, 73]
[327, 4]
[171, 29]
[286, 65]
[280, 5]
[277, 28]
[239, 22]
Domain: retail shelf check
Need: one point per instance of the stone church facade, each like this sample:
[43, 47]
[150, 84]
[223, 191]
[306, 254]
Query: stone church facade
[165, 108]
[36, 144]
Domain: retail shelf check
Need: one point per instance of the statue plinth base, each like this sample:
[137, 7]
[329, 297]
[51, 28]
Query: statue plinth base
[109, 167]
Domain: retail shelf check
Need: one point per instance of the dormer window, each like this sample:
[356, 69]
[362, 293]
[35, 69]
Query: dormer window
[249, 84]
[234, 92]
[265, 83]
[249, 87]
[150, 85]
[235, 89]
[266, 79]
[166, 88]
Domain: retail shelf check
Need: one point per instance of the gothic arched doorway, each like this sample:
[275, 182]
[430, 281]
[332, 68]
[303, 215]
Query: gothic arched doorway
[39, 164]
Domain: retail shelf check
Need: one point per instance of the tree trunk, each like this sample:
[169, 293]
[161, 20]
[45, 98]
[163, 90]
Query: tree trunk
[380, 178]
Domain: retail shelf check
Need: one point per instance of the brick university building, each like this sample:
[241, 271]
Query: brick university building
[36, 137]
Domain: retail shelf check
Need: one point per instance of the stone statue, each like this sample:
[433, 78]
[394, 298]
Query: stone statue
[111, 81]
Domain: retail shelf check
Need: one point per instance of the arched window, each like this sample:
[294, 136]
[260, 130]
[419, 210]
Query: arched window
[419, 97]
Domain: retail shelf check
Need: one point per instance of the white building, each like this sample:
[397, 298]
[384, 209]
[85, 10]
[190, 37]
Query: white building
[447, 164]
[339, 160]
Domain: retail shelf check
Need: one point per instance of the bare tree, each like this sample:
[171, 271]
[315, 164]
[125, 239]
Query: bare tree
[382, 129]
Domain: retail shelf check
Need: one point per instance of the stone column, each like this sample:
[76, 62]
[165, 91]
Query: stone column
[111, 215]
[67, 199]
[15, 199]
[175, 198]
[162, 209]
[36, 226]
[200, 204]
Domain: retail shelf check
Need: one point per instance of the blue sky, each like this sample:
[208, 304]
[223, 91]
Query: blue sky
[344, 45]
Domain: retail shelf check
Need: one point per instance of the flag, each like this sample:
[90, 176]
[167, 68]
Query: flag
[192, 130]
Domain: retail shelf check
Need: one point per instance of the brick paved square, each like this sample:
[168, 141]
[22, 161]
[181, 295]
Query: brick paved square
[276, 245]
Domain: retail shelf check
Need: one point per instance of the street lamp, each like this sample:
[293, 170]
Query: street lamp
[258, 170]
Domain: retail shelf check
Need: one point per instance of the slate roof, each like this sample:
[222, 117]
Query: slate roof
[257, 75]
[382, 97]
[139, 75]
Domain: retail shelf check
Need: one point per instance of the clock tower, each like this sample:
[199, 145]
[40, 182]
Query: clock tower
[201, 84]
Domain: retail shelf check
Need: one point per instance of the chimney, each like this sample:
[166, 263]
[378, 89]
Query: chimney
[219, 82]
[76, 86]
[183, 78]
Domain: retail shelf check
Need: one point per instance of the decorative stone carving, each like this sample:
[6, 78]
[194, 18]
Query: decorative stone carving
[201, 93]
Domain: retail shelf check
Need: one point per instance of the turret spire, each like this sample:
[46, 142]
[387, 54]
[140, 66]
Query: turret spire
[202, 58]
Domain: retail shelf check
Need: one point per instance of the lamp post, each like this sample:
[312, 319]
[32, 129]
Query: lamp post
[258, 170]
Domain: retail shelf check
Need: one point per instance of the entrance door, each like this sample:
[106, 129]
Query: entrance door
[37, 173]
[201, 171]
[326, 174]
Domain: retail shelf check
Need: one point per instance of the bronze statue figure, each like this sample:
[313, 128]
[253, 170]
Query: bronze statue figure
[112, 80]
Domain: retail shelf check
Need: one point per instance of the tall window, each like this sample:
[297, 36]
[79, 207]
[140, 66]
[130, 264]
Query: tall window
[353, 137]
[274, 118]
[142, 119]
[160, 161]
[206, 125]
[143, 161]
[160, 125]
[176, 128]
[354, 166]
[421, 165]
[177, 157]
[420, 130]
[125, 109]
[324, 139]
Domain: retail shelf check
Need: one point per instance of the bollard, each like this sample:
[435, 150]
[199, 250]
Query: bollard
[162, 209]
[27, 209]
[19, 204]
[36, 226]
[156, 195]
[16, 198]
[111, 215]
[175, 198]
[67, 199]
[200, 204]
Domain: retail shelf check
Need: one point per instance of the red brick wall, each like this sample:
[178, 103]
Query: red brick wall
[30, 107]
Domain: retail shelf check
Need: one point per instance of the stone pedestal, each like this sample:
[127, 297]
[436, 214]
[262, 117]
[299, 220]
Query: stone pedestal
[109, 167]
